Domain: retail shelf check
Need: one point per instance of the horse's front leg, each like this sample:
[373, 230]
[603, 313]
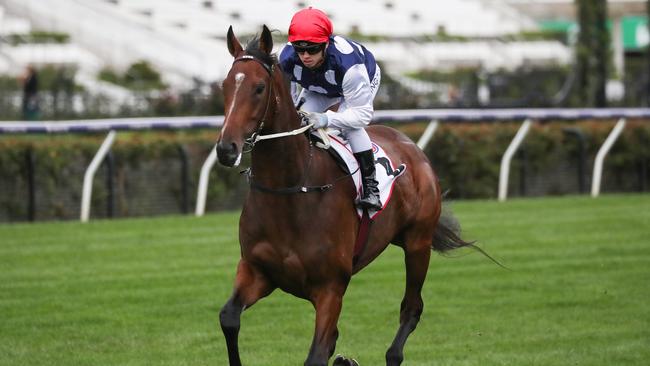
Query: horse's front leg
[327, 302]
[250, 286]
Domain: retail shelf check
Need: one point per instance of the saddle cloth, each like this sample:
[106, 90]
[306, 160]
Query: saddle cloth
[386, 171]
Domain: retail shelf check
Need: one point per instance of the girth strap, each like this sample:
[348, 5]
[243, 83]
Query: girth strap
[362, 236]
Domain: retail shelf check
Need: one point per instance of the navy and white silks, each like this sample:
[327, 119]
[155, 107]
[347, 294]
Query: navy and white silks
[349, 76]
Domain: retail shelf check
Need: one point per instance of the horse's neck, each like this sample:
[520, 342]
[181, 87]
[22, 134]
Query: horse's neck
[281, 162]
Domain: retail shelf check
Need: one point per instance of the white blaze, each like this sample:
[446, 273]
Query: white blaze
[239, 78]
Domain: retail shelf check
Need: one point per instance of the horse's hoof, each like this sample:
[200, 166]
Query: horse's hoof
[342, 361]
[339, 361]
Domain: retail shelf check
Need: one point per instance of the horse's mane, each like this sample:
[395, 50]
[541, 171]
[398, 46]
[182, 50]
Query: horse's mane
[253, 49]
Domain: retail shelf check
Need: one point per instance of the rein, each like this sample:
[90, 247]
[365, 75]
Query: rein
[299, 188]
[255, 137]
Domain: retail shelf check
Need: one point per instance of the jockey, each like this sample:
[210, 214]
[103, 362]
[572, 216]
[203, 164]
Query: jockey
[339, 80]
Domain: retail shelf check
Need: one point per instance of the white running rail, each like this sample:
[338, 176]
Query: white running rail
[87, 192]
[507, 157]
[435, 116]
[203, 182]
[602, 153]
[428, 134]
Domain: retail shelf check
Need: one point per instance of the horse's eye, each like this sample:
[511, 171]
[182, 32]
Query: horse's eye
[259, 89]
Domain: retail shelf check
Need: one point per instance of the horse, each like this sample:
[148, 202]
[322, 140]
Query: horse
[299, 223]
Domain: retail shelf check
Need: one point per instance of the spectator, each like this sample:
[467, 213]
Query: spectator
[30, 94]
[453, 96]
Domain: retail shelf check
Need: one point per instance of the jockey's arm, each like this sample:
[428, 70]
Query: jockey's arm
[357, 98]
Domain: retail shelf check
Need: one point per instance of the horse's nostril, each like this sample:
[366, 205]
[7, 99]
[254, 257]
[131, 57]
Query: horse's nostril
[223, 148]
[227, 153]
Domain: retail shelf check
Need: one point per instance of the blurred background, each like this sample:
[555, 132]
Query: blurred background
[110, 58]
[83, 59]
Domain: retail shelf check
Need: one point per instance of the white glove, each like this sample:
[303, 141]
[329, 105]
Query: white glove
[319, 120]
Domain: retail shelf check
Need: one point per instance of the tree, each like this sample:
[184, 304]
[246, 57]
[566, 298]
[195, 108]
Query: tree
[593, 54]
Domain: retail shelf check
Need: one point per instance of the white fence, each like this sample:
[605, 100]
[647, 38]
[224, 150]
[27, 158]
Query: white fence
[434, 116]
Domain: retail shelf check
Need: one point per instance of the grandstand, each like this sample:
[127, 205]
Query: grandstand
[184, 39]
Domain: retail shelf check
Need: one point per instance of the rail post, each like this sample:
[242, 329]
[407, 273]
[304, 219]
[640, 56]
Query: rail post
[203, 182]
[602, 153]
[428, 134]
[87, 191]
[507, 158]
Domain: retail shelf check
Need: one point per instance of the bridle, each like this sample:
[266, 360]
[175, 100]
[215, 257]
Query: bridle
[269, 69]
[256, 137]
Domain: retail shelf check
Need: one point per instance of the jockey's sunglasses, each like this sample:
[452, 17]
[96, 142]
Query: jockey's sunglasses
[311, 49]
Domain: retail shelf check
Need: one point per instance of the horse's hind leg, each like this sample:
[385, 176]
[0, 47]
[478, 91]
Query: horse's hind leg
[417, 254]
[250, 286]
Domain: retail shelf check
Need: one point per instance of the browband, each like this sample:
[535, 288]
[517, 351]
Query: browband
[268, 68]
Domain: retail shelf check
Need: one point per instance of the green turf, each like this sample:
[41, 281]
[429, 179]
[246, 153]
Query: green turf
[147, 292]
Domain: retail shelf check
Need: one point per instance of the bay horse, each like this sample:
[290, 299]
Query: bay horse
[299, 223]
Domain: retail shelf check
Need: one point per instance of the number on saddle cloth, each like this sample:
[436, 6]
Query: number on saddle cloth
[384, 162]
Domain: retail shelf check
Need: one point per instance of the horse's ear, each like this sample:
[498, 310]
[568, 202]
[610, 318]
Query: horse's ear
[266, 41]
[233, 43]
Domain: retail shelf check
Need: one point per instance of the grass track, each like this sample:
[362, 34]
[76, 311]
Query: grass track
[147, 292]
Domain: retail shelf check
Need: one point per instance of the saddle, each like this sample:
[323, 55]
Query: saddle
[386, 174]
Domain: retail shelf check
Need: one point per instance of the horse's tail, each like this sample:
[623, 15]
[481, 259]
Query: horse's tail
[447, 236]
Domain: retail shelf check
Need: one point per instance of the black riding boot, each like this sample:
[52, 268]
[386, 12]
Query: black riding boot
[370, 198]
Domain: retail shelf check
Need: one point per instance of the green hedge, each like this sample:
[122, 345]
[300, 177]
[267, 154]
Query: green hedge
[467, 157]
[147, 180]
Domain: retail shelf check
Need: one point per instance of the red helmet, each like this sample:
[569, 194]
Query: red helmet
[311, 25]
